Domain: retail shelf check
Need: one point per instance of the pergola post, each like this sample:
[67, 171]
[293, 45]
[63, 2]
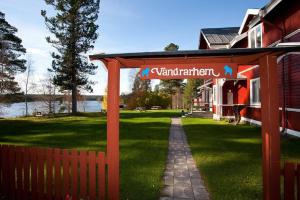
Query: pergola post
[113, 93]
[270, 127]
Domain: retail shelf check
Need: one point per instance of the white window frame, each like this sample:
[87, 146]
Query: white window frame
[254, 29]
[215, 94]
[255, 104]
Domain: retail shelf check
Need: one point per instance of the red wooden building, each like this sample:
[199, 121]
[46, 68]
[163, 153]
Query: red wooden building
[276, 24]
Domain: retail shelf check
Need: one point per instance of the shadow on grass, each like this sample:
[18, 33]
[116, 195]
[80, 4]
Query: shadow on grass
[143, 143]
[229, 157]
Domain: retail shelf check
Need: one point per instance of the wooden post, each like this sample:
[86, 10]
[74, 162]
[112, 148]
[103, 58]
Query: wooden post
[113, 93]
[270, 127]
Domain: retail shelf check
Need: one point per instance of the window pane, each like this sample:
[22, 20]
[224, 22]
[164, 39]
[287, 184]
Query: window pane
[254, 92]
[258, 36]
[252, 39]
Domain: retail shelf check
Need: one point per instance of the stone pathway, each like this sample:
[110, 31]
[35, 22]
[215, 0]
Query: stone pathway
[182, 179]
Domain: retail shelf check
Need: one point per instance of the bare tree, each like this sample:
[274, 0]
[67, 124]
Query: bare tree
[28, 87]
[48, 93]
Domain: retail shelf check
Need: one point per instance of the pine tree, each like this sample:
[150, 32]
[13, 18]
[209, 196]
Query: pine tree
[11, 50]
[171, 86]
[74, 29]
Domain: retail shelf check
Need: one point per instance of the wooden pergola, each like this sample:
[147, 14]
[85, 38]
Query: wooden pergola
[266, 58]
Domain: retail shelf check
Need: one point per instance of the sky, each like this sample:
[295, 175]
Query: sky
[127, 26]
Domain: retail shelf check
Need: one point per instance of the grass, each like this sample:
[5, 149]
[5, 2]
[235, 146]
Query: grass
[229, 157]
[143, 143]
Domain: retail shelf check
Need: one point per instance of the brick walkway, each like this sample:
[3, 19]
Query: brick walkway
[182, 179]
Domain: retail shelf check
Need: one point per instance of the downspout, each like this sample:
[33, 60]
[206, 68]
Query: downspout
[283, 78]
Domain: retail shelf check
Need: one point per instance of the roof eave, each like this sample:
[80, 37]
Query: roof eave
[264, 12]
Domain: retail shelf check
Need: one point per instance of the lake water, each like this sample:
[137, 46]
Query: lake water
[18, 109]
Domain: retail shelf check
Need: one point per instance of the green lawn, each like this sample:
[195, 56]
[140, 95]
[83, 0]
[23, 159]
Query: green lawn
[229, 157]
[143, 141]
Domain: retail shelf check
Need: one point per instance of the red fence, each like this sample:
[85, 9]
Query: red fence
[291, 176]
[44, 173]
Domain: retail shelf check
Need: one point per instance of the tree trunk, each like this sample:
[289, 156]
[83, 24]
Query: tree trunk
[74, 100]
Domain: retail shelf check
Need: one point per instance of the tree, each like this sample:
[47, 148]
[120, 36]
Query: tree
[171, 47]
[173, 85]
[190, 91]
[48, 93]
[74, 29]
[27, 85]
[11, 51]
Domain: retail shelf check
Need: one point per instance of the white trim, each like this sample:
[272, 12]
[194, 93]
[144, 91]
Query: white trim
[258, 123]
[205, 39]
[254, 106]
[285, 37]
[292, 132]
[290, 53]
[254, 29]
[215, 94]
[249, 12]
[288, 44]
[237, 39]
[251, 92]
[291, 109]
[251, 121]
[248, 69]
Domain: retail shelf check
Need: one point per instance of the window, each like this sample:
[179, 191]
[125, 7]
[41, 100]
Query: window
[255, 37]
[255, 92]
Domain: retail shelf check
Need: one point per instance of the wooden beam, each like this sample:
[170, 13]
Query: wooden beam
[113, 100]
[270, 127]
[241, 60]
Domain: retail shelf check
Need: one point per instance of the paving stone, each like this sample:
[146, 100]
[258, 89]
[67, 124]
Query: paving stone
[182, 180]
[183, 192]
[167, 191]
[168, 180]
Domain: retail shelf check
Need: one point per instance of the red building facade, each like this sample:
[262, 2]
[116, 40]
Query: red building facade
[278, 23]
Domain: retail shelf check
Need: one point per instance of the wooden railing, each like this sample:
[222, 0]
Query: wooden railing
[291, 176]
[46, 173]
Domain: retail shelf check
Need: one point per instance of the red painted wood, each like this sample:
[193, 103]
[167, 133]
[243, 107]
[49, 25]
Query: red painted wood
[66, 172]
[1, 169]
[12, 168]
[83, 174]
[101, 175]
[74, 164]
[26, 158]
[270, 128]
[19, 168]
[113, 101]
[41, 175]
[289, 181]
[36, 173]
[49, 173]
[33, 168]
[92, 175]
[57, 173]
[298, 181]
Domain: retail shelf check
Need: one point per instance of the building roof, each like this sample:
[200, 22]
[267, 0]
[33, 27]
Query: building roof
[220, 36]
[218, 55]
[265, 11]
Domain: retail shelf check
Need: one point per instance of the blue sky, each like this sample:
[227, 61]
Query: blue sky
[128, 26]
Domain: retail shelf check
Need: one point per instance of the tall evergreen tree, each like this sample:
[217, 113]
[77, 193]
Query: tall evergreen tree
[11, 62]
[74, 29]
[171, 86]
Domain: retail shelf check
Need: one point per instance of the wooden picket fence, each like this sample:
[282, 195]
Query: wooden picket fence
[46, 173]
[291, 177]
